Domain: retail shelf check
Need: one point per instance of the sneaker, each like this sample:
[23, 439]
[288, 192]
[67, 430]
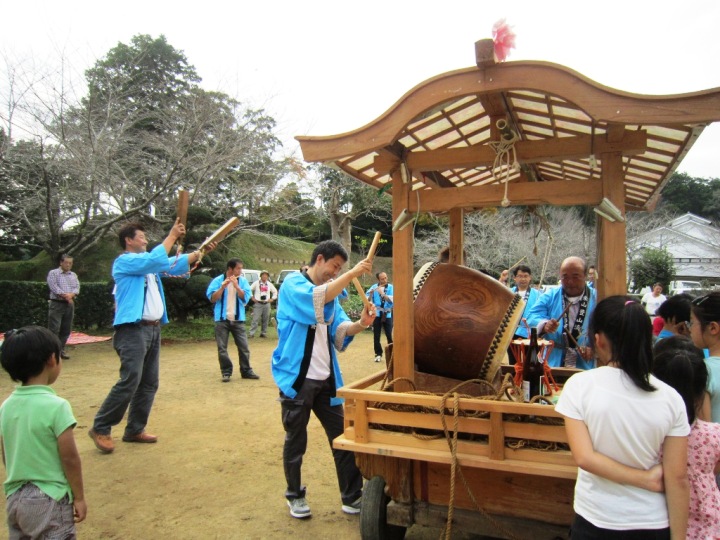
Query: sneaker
[226, 378]
[378, 358]
[64, 355]
[104, 443]
[250, 375]
[263, 335]
[353, 508]
[299, 508]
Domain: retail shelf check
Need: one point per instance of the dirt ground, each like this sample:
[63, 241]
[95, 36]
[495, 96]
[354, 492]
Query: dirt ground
[216, 471]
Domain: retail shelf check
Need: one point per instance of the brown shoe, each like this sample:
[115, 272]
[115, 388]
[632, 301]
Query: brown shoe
[140, 438]
[104, 443]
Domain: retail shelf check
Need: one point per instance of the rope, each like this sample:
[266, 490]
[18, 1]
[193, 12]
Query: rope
[505, 156]
[507, 388]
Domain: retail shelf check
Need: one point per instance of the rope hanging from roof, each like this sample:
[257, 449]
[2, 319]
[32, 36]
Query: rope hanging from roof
[505, 157]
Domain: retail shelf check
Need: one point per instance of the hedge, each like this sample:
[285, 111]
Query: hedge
[26, 302]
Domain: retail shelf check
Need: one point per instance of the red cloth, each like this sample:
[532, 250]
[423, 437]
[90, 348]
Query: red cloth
[658, 324]
[77, 338]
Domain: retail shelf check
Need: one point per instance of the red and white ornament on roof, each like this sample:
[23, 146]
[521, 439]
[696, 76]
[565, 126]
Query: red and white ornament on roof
[503, 40]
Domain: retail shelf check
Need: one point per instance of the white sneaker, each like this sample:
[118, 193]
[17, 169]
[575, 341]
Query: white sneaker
[378, 358]
[299, 508]
[353, 508]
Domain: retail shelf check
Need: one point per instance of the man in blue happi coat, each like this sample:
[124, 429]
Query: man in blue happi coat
[312, 326]
[139, 314]
[562, 315]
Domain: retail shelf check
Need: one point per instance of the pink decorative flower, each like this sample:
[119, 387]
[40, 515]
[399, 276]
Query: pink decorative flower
[504, 39]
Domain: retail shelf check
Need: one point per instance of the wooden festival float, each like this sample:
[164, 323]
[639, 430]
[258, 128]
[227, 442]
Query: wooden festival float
[445, 455]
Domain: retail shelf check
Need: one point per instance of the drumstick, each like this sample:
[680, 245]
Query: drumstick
[182, 209]
[374, 245]
[361, 292]
[182, 206]
[221, 233]
[514, 265]
[564, 311]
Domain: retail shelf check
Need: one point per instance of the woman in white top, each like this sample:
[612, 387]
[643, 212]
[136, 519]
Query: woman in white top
[628, 434]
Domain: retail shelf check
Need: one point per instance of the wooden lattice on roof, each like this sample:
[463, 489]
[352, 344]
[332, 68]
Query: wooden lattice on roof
[441, 129]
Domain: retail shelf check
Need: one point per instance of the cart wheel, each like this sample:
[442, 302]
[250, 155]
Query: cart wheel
[373, 513]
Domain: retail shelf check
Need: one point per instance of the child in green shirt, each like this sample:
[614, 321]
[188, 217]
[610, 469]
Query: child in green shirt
[36, 437]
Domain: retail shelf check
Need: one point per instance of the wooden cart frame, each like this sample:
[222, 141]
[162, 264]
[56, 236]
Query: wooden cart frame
[577, 143]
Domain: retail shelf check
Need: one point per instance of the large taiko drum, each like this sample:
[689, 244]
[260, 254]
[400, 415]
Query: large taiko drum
[464, 321]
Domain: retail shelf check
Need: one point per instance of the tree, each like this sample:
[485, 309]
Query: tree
[685, 193]
[495, 239]
[143, 130]
[344, 199]
[652, 266]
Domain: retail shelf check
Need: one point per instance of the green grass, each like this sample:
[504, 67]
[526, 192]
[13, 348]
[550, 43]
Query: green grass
[192, 330]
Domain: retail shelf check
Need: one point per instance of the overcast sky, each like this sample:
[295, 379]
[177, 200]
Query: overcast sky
[326, 67]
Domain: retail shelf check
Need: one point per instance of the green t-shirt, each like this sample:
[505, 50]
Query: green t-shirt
[31, 420]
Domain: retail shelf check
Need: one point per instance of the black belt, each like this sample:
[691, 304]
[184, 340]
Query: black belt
[149, 323]
[58, 300]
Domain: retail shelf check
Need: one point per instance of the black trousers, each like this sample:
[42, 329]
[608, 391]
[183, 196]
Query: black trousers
[582, 529]
[378, 326]
[315, 396]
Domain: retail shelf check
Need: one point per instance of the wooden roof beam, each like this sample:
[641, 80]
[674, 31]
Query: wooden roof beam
[632, 143]
[557, 193]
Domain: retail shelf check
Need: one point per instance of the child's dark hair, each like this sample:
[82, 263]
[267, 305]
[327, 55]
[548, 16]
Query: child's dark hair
[707, 308]
[26, 350]
[675, 309]
[627, 327]
[682, 365]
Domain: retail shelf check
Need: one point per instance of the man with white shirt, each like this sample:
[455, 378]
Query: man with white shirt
[312, 328]
[562, 315]
[230, 292]
[264, 294]
[140, 312]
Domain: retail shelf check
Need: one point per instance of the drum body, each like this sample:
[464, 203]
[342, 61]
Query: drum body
[464, 321]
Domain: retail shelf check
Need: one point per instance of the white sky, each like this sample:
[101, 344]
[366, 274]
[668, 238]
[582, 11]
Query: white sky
[323, 67]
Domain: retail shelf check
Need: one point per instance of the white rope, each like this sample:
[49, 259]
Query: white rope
[505, 157]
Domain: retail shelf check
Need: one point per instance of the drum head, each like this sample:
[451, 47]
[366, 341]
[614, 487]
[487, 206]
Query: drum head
[464, 321]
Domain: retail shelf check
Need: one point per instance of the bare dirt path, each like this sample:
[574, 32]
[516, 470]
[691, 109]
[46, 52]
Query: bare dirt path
[216, 472]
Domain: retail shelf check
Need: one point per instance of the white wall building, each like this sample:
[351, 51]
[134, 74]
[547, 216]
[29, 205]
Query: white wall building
[694, 244]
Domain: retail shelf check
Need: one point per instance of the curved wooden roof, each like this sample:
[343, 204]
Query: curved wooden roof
[564, 122]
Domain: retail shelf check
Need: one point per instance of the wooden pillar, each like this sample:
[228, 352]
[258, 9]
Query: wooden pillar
[457, 236]
[611, 236]
[403, 312]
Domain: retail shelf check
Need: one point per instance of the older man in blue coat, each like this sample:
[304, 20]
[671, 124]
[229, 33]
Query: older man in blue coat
[562, 315]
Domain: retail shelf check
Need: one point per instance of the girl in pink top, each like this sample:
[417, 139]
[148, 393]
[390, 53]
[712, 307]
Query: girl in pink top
[681, 365]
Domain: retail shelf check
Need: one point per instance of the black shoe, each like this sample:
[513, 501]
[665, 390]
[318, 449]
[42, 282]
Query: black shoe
[250, 375]
[64, 355]
[263, 335]
[226, 378]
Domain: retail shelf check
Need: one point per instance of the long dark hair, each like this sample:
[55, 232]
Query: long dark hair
[627, 327]
[682, 365]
